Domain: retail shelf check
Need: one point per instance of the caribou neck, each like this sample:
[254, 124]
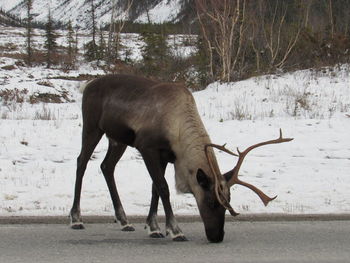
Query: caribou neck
[190, 154]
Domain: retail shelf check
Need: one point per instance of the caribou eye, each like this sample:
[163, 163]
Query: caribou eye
[203, 179]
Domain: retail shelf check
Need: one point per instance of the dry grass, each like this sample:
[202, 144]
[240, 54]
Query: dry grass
[45, 114]
[9, 96]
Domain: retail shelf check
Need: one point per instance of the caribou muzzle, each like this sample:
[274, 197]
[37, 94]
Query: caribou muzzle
[214, 222]
[214, 236]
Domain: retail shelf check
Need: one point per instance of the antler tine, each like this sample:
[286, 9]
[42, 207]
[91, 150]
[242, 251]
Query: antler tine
[264, 198]
[221, 147]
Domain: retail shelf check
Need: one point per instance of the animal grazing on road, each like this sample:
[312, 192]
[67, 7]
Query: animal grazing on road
[162, 122]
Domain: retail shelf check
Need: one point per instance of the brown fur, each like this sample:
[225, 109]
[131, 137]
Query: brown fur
[161, 121]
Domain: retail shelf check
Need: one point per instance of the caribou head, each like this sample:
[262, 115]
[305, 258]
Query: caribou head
[215, 196]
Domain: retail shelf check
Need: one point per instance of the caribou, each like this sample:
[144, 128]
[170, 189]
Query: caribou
[162, 122]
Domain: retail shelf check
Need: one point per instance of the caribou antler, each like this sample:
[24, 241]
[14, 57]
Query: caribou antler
[233, 174]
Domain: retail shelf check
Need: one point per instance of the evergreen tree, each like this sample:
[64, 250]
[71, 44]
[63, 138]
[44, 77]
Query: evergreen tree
[93, 19]
[70, 39]
[155, 53]
[50, 41]
[101, 47]
[29, 32]
[76, 40]
[91, 51]
[201, 60]
[71, 49]
[91, 48]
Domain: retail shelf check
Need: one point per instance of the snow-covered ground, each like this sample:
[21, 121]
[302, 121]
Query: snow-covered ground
[39, 144]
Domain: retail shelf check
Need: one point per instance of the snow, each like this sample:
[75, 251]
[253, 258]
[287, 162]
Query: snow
[7, 5]
[163, 12]
[39, 143]
[79, 11]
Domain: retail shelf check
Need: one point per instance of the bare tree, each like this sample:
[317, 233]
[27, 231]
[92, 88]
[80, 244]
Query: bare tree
[331, 18]
[115, 29]
[253, 40]
[111, 33]
[223, 25]
[280, 37]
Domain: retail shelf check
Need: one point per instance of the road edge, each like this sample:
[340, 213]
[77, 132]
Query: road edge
[94, 219]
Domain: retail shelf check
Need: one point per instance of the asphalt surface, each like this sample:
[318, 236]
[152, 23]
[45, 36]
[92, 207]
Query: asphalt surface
[187, 219]
[245, 241]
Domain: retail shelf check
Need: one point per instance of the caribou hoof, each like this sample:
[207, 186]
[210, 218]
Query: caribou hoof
[156, 235]
[77, 226]
[128, 228]
[180, 238]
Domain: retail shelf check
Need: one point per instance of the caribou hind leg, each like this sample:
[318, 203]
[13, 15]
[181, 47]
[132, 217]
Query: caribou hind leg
[89, 141]
[114, 153]
[155, 168]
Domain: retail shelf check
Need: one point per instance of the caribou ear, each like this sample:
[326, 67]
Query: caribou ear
[203, 179]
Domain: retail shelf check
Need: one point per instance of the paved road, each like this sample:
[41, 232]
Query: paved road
[299, 241]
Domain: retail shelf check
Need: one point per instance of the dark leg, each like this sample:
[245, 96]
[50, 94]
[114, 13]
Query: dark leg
[114, 153]
[89, 142]
[151, 222]
[156, 170]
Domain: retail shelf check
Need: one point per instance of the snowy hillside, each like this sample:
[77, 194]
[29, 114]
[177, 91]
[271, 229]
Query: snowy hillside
[78, 11]
[40, 141]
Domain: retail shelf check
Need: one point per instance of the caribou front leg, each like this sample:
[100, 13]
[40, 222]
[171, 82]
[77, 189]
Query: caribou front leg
[154, 165]
[151, 221]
